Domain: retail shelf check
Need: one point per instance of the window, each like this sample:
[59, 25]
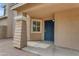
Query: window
[36, 26]
[2, 9]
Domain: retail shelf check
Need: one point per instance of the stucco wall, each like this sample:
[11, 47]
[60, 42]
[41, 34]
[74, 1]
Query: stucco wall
[67, 28]
[36, 36]
[3, 31]
[3, 22]
[10, 21]
[3, 27]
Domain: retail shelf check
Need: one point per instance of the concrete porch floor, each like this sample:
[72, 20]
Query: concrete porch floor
[51, 50]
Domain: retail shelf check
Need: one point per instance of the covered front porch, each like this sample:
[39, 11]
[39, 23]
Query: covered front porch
[34, 20]
[38, 27]
[35, 32]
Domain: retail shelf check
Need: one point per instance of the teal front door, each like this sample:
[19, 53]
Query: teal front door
[49, 31]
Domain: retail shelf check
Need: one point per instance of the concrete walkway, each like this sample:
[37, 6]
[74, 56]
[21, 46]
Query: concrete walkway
[52, 50]
[7, 49]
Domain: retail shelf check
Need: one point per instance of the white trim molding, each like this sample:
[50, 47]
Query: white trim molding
[20, 17]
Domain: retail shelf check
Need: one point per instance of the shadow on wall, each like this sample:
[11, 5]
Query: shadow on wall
[3, 32]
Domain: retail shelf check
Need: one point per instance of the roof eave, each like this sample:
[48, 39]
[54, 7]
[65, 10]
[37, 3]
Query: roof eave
[17, 5]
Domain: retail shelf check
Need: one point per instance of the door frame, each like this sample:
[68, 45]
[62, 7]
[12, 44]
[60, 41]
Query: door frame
[44, 28]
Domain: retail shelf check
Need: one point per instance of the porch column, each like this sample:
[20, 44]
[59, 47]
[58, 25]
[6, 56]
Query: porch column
[28, 27]
[20, 36]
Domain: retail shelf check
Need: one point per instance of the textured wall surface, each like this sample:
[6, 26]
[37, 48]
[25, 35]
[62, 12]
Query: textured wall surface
[3, 32]
[36, 36]
[3, 22]
[10, 21]
[67, 28]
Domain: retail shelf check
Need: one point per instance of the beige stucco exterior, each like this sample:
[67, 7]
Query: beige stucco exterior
[3, 27]
[67, 28]
[3, 21]
[8, 21]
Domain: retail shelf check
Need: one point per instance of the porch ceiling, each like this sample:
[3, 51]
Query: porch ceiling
[47, 10]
